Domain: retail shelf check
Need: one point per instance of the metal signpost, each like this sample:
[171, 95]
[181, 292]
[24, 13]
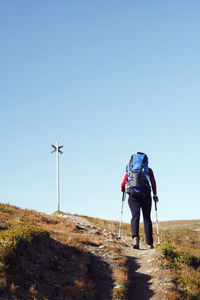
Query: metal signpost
[57, 150]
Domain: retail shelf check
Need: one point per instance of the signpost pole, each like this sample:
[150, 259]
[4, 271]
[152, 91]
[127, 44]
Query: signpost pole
[58, 191]
[57, 150]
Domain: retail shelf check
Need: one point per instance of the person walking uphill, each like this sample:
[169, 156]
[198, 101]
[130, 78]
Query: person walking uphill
[137, 183]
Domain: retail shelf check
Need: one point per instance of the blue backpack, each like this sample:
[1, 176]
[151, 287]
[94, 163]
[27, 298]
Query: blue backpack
[137, 170]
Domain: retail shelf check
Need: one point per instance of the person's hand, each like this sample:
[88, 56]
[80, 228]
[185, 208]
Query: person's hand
[123, 189]
[155, 198]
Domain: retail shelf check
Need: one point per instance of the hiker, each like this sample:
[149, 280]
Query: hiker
[136, 184]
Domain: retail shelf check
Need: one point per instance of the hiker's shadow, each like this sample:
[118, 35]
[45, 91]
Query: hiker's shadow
[49, 269]
[140, 285]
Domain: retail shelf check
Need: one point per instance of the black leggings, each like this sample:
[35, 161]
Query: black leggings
[145, 204]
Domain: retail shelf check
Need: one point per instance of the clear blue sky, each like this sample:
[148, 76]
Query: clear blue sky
[105, 79]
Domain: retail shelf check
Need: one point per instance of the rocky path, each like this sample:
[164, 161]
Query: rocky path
[148, 279]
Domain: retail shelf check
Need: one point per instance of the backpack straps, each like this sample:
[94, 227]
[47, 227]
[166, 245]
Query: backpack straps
[145, 158]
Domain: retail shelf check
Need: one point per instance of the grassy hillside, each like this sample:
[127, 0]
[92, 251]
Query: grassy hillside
[37, 257]
[49, 257]
[181, 249]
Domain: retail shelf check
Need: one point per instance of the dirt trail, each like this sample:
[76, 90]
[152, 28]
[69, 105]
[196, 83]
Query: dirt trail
[148, 280]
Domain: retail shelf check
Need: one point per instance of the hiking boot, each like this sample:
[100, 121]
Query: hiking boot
[150, 246]
[135, 242]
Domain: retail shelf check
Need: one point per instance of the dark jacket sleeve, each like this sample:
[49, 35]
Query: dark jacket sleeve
[153, 181]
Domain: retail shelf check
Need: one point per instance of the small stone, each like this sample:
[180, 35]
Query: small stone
[80, 227]
[149, 271]
[98, 232]
[102, 247]
[118, 286]
[116, 257]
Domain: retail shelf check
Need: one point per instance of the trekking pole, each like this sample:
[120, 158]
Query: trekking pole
[123, 199]
[157, 223]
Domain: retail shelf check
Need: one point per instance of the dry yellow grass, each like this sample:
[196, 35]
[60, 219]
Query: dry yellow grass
[180, 243]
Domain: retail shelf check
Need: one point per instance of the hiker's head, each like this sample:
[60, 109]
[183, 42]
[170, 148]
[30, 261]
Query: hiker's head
[141, 153]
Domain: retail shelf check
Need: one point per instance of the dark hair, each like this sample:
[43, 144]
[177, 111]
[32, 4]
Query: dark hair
[140, 153]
